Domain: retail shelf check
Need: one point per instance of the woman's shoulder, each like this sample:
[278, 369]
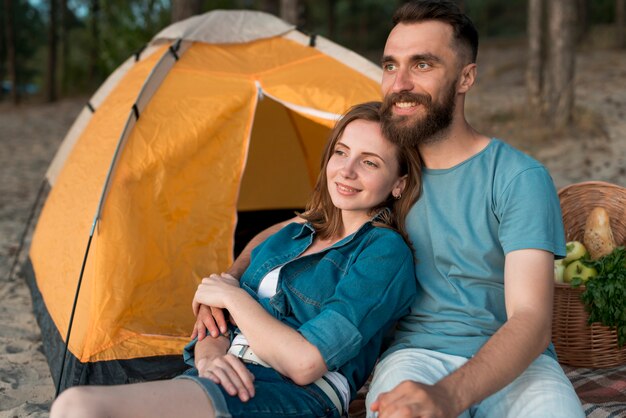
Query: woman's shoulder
[388, 239]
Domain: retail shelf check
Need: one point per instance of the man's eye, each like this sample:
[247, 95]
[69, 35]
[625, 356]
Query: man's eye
[389, 67]
[423, 66]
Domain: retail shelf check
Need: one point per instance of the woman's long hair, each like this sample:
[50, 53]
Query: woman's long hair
[325, 217]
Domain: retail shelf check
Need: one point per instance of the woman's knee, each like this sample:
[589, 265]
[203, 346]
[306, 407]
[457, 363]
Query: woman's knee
[77, 402]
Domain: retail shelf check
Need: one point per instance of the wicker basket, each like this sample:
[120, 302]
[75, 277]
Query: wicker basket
[577, 343]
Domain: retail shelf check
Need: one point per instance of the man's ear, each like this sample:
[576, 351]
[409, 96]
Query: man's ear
[467, 78]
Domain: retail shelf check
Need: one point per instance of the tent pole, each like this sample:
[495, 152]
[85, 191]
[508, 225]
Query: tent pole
[69, 328]
[174, 51]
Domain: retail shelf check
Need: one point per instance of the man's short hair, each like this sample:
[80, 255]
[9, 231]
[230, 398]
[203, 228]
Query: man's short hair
[445, 11]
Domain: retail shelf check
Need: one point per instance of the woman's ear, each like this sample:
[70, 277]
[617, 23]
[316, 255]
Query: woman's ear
[399, 186]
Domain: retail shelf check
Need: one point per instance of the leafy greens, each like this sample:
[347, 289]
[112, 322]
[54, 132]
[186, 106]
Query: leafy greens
[605, 295]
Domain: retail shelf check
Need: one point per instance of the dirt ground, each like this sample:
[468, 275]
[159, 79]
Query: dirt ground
[30, 134]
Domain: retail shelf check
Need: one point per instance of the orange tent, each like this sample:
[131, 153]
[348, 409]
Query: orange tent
[221, 114]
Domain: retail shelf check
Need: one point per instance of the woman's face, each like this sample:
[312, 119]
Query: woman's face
[363, 169]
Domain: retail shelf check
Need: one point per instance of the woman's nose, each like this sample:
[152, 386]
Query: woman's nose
[348, 169]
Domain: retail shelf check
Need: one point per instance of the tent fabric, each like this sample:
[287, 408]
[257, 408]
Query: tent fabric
[182, 138]
[225, 27]
[83, 118]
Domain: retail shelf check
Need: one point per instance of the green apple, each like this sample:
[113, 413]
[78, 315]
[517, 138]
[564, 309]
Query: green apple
[578, 269]
[559, 268]
[574, 251]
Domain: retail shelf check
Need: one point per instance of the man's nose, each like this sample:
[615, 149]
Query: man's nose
[402, 81]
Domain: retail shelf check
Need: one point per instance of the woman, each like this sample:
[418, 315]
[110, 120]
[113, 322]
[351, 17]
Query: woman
[312, 308]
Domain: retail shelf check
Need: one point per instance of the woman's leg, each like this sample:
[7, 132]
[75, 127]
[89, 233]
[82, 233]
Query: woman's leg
[167, 398]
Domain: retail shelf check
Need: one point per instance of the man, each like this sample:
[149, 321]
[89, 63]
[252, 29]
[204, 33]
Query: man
[486, 231]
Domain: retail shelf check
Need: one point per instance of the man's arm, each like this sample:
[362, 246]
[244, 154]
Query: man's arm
[213, 319]
[528, 287]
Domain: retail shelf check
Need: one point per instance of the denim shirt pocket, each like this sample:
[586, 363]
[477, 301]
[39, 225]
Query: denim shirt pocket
[279, 304]
[311, 281]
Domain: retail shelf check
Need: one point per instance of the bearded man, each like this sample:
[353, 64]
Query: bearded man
[486, 231]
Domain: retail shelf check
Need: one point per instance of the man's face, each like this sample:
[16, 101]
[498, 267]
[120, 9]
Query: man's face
[420, 73]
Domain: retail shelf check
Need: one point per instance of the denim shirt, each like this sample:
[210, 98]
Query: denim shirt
[343, 299]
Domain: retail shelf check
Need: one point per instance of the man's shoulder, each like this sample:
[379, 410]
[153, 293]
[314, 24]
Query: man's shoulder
[512, 158]
[510, 163]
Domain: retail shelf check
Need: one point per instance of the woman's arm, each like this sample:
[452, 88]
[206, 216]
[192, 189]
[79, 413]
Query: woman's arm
[281, 346]
[212, 319]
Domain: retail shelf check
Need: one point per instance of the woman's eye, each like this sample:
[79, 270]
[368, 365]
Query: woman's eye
[339, 152]
[370, 163]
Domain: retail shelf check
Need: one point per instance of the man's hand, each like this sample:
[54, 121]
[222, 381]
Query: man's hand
[230, 372]
[412, 399]
[211, 319]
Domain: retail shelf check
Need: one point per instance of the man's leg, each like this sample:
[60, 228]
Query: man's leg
[542, 391]
[418, 365]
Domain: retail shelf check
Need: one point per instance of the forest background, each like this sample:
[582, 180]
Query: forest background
[51, 49]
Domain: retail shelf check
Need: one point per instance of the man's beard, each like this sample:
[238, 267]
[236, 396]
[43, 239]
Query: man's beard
[422, 130]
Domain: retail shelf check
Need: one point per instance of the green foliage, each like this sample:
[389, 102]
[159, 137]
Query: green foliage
[495, 18]
[605, 295]
[602, 11]
[358, 25]
[126, 26]
[30, 35]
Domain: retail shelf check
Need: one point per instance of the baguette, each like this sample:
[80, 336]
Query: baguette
[598, 238]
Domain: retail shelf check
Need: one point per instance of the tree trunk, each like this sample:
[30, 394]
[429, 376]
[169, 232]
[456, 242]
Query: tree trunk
[290, 11]
[95, 42]
[270, 6]
[332, 18]
[51, 75]
[65, 52]
[182, 9]
[562, 59]
[10, 47]
[620, 21]
[583, 20]
[3, 50]
[536, 51]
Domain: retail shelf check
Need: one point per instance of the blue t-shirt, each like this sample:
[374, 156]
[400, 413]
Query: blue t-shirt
[467, 219]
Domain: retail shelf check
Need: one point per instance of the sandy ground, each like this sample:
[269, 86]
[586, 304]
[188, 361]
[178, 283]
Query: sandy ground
[30, 135]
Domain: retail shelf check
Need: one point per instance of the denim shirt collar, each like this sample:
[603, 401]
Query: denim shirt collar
[307, 229]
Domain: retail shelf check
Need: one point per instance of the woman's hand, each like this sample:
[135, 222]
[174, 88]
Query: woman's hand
[230, 372]
[215, 291]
